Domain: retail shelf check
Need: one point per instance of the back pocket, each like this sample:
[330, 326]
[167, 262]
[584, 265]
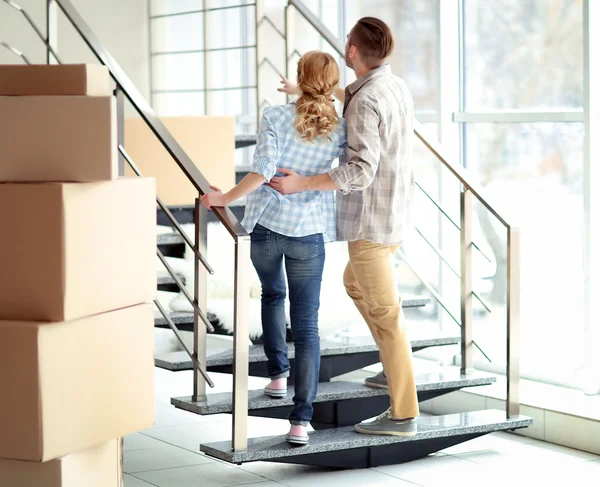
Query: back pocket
[305, 248]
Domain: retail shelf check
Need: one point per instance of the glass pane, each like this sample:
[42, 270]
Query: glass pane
[414, 25]
[232, 27]
[161, 7]
[535, 172]
[178, 72]
[233, 68]
[236, 103]
[526, 54]
[180, 33]
[178, 104]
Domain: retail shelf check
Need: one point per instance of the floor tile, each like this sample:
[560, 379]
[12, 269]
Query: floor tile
[167, 415]
[492, 441]
[346, 478]
[530, 455]
[440, 470]
[138, 441]
[215, 474]
[189, 436]
[166, 456]
[131, 481]
[298, 475]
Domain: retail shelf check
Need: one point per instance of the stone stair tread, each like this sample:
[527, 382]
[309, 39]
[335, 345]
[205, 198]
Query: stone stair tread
[189, 317]
[444, 378]
[345, 438]
[172, 238]
[180, 360]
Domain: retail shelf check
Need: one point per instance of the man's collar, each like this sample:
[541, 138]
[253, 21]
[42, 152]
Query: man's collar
[374, 73]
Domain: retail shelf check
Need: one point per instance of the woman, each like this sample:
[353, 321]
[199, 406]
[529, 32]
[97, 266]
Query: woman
[305, 137]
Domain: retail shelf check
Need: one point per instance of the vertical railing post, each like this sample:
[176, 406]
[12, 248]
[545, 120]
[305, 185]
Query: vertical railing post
[466, 282]
[206, 42]
[288, 30]
[200, 278]
[239, 439]
[51, 30]
[513, 310]
[258, 15]
[120, 96]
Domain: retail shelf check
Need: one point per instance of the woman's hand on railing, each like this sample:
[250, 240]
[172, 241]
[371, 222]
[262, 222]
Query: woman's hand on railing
[288, 87]
[216, 198]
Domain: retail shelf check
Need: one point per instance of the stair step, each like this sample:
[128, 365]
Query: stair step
[329, 348]
[172, 238]
[188, 318]
[344, 447]
[448, 379]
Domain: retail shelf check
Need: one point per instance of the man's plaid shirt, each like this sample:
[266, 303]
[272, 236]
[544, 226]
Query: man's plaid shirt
[375, 174]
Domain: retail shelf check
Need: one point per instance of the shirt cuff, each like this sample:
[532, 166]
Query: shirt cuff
[265, 167]
[339, 177]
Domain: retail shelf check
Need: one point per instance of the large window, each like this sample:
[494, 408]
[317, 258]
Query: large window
[523, 138]
[523, 55]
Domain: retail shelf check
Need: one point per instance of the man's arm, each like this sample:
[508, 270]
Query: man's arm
[292, 182]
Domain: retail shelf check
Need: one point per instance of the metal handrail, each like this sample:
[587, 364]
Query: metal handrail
[225, 215]
[435, 294]
[185, 292]
[169, 215]
[15, 51]
[34, 26]
[449, 218]
[445, 260]
[175, 330]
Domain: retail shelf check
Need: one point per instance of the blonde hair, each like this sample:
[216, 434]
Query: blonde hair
[318, 76]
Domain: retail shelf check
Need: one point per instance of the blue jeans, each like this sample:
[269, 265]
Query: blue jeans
[304, 261]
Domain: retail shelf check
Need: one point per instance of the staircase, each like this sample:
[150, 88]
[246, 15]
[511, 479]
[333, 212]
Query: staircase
[340, 402]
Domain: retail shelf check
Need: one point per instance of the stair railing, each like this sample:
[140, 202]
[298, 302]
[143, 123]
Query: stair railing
[470, 189]
[126, 89]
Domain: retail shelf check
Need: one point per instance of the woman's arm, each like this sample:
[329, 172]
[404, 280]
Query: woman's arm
[251, 182]
[290, 88]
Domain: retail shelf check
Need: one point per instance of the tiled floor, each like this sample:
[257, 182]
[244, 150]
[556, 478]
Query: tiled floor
[168, 456]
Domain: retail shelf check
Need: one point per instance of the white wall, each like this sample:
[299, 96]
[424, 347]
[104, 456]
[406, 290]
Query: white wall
[122, 27]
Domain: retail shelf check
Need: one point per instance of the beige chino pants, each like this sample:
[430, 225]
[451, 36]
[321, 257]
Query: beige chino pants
[370, 282]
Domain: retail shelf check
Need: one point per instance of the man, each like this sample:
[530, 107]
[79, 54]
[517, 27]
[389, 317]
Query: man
[375, 188]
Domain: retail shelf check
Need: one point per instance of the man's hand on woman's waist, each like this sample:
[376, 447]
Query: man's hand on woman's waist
[293, 182]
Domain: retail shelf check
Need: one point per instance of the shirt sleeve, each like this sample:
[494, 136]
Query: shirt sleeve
[342, 140]
[265, 156]
[363, 149]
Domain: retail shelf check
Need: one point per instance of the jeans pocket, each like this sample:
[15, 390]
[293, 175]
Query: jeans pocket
[259, 242]
[305, 248]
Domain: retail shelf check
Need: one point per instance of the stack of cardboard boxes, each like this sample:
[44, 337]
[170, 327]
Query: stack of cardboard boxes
[77, 274]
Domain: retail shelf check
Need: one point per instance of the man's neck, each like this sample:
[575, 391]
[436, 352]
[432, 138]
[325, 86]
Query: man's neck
[360, 71]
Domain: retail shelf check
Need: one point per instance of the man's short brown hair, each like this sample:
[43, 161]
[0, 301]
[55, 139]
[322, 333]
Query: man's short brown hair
[373, 39]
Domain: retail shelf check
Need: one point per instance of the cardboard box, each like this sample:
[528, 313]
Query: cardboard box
[95, 467]
[54, 79]
[69, 386]
[208, 141]
[76, 249]
[58, 138]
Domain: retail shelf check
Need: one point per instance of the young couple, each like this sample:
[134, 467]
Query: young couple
[291, 217]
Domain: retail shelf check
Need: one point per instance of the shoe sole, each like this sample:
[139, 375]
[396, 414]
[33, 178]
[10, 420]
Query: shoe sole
[275, 394]
[358, 429]
[375, 385]
[296, 440]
